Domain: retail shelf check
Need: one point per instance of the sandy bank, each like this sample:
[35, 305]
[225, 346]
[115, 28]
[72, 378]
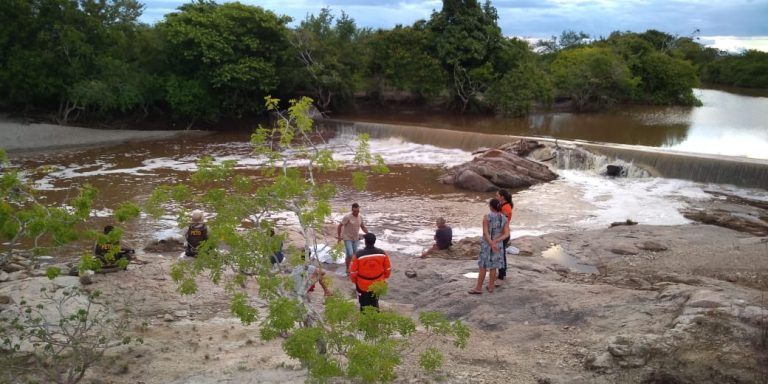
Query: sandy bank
[15, 136]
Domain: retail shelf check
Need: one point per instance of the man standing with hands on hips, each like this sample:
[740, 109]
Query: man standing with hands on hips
[349, 232]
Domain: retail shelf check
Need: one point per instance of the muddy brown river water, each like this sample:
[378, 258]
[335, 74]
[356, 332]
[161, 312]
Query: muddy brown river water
[401, 206]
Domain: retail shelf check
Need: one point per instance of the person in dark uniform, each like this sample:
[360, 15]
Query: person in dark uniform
[109, 252]
[196, 233]
[369, 265]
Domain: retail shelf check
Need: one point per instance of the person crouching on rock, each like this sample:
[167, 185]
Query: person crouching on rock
[495, 229]
[369, 265]
[443, 238]
[109, 251]
[196, 233]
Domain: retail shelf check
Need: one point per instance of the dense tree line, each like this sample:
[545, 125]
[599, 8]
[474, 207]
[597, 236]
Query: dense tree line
[93, 60]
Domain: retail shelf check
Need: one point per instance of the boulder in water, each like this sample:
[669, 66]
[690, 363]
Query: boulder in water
[614, 170]
[497, 168]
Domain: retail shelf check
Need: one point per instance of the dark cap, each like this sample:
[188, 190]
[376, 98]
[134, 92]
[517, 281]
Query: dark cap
[370, 238]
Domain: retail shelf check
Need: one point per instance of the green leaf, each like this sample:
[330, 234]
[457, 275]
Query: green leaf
[431, 359]
[52, 272]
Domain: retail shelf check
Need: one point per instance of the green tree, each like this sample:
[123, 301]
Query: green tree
[519, 90]
[524, 83]
[592, 77]
[465, 37]
[399, 60]
[329, 49]
[228, 54]
[59, 336]
[24, 216]
[666, 80]
[338, 341]
[54, 50]
[747, 69]
[568, 39]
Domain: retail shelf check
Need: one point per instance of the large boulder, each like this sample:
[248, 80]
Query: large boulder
[497, 168]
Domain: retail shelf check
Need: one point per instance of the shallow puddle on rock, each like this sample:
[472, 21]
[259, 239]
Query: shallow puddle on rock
[557, 254]
[471, 275]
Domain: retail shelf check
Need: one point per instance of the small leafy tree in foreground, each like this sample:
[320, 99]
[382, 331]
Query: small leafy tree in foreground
[24, 216]
[336, 340]
[60, 337]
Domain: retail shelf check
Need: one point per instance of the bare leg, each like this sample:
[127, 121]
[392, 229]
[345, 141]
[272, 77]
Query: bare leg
[491, 280]
[480, 279]
[429, 250]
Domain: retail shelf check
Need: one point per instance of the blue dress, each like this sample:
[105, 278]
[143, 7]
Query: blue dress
[489, 259]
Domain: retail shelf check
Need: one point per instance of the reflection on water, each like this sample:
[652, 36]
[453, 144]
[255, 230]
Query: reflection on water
[726, 124]
[557, 254]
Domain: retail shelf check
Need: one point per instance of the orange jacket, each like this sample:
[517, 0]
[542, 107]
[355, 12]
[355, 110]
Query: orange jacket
[368, 266]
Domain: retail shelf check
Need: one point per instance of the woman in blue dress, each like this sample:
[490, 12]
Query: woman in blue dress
[495, 230]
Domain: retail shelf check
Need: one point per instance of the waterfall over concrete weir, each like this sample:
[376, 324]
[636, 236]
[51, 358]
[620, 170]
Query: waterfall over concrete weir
[740, 171]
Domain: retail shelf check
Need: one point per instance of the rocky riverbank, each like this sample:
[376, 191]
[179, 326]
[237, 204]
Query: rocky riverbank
[626, 304]
[678, 304]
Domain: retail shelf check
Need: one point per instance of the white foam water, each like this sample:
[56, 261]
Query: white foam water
[579, 199]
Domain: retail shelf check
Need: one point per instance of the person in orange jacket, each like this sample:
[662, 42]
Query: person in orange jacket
[368, 266]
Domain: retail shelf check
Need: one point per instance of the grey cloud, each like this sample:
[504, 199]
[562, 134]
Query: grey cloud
[548, 17]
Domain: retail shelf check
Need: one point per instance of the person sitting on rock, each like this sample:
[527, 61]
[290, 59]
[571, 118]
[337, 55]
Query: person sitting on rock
[196, 233]
[443, 238]
[109, 250]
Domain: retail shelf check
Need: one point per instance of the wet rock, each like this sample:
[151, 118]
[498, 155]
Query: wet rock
[5, 300]
[18, 275]
[528, 267]
[86, 278]
[624, 250]
[38, 273]
[13, 267]
[411, 273]
[522, 147]
[4, 276]
[495, 169]
[600, 363]
[471, 180]
[168, 318]
[755, 315]
[620, 223]
[651, 246]
[707, 299]
[181, 314]
[749, 222]
[614, 170]
[171, 244]
[530, 245]
[464, 249]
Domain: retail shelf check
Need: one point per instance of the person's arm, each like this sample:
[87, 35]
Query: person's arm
[387, 266]
[362, 226]
[505, 232]
[338, 230]
[487, 234]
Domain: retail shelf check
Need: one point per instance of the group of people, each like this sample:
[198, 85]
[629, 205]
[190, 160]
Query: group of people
[368, 265]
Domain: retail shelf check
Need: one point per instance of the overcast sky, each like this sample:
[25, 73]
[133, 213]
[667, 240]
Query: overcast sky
[728, 24]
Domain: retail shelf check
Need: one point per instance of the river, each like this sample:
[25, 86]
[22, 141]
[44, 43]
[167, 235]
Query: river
[401, 207]
[727, 123]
